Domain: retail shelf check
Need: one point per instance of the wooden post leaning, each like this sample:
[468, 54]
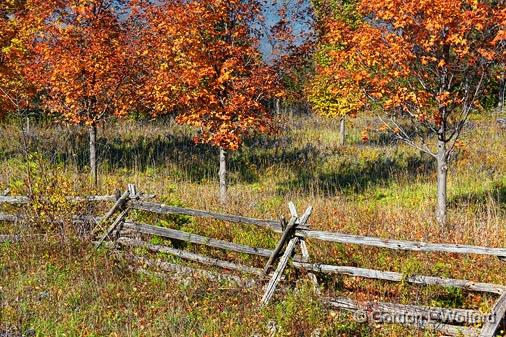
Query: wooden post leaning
[497, 315]
[130, 193]
[303, 247]
[288, 235]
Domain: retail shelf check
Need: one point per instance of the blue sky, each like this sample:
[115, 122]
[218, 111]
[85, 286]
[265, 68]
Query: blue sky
[272, 17]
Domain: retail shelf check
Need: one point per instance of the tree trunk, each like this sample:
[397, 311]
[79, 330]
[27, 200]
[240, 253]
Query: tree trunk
[502, 94]
[278, 108]
[93, 154]
[223, 175]
[27, 125]
[442, 174]
[342, 131]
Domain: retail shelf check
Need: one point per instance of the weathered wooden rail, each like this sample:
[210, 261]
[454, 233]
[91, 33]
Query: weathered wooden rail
[122, 232]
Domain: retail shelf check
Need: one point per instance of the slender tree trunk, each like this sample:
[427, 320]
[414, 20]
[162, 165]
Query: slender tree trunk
[342, 131]
[93, 154]
[502, 94]
[27, 125]
[223, 175]
[277, 106]
[442, 174]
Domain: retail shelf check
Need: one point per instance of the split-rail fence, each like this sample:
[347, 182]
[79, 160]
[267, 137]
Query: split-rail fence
[115, 230]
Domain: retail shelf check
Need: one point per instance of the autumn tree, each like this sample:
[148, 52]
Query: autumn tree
[82, 63]
[204, 64]
[15, 92]
[426, 61]
[323, 93]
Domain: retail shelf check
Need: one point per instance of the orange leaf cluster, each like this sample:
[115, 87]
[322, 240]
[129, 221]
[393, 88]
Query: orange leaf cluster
[202, 61]
[423, 58]
[81, 59]
[14, 90]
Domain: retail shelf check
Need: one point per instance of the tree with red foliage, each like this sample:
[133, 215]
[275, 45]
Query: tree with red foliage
[203, 62]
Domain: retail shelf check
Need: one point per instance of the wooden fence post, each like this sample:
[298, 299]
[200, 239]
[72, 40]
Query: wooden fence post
[303, 247]
[284, 237]
[497, 315]
[119, 204]
[130, 193]
[271, 287]
[113, 226]
[288, 233]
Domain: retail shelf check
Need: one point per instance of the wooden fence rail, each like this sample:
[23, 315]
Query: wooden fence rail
[165, 209]
[122, 232]
[398, 277]
[416, 246]
[275, 225]
[196, 239]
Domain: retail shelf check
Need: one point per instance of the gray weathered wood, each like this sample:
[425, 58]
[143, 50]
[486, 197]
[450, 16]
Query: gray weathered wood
[301, 231]
[276, 277]
[179, 271]
[10, 238]
[132, 189]
[14, 200]
[304, 218]
[417, 312]
[8, 217]
[445, 329]
[113, 226]
[306, 258]
[303, 245]
[110, 198]
[117, 205]
[165, 209]
[292, 209]
[389, 311]
[498, 314]
[190, 256]
[197, 239]
[286, 234]
[401, 245]
[295, 222]
[398, 277]
[77, 219]
[21, 200]
[25, 237]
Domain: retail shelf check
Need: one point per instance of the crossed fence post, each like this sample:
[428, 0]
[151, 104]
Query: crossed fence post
[130, 193]
[292, 240]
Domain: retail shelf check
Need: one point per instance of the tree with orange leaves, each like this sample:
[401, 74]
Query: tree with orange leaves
[428, 61]
[203, 62]
[15, 93]
[326, 96]
[81, 62]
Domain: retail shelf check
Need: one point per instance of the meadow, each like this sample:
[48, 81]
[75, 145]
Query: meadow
[377, 187]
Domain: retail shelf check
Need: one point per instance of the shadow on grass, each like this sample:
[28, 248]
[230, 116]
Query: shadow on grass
[495, 194]
[175, 152]
[179, 153]
[351, 176]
